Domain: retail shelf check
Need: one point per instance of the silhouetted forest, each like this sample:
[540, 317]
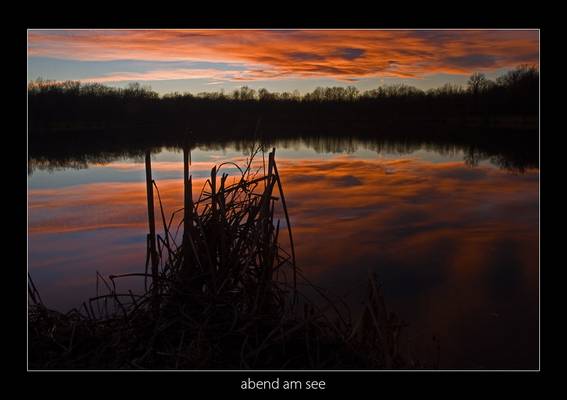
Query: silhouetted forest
[68, 117]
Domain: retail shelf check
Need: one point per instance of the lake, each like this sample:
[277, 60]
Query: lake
[452, 236]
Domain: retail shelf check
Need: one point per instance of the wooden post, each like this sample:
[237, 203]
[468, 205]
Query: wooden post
[265, 217]
[214, 191]
[187, 206]
[214, 233]
[152, 226]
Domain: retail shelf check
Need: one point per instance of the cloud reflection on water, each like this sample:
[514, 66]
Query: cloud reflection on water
[454, 245]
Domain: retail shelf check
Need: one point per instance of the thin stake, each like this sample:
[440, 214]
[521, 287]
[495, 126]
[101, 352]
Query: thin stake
[152, 225]
[187, 205]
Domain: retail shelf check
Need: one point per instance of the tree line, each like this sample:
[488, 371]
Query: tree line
[65, 106]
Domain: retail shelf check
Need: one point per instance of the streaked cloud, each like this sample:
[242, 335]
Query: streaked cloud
[281, 54]
[183, 73]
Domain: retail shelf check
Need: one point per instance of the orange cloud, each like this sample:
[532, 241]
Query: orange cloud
[181, 73]
[277, 54]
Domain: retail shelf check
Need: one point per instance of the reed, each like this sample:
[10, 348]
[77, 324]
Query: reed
[228, 297]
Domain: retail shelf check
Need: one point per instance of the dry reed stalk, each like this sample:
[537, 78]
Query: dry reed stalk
[224, 297]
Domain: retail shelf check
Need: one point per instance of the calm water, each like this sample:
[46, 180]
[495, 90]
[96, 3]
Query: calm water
[455, 245]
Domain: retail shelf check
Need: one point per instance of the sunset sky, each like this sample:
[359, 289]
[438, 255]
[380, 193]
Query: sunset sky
[279, 60]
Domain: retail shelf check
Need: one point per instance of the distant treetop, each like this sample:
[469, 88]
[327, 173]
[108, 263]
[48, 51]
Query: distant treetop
[524, 78]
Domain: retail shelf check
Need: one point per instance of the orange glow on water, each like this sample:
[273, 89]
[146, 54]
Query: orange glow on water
[456, 246]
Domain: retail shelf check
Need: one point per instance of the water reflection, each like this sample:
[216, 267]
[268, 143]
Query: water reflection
[455, 245]
[517, 156]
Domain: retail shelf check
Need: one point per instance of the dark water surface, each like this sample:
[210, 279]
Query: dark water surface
[453, 238]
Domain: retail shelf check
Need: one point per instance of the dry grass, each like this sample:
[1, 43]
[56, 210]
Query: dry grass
[227, 297]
